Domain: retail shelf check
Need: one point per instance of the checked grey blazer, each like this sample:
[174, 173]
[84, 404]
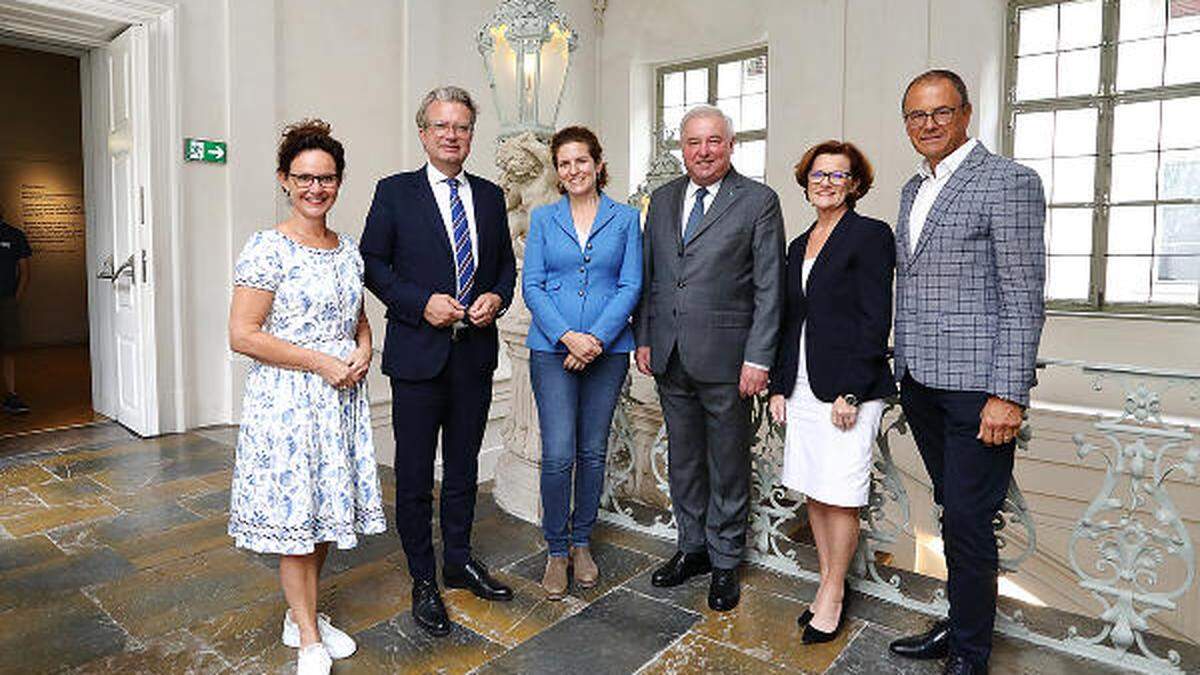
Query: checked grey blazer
[970, 300]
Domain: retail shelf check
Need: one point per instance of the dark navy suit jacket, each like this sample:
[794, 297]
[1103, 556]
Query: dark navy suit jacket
[848, 309]
[408, 258]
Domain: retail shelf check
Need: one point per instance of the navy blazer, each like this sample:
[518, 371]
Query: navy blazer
[846, 312]
[590, 290]
[408, 258]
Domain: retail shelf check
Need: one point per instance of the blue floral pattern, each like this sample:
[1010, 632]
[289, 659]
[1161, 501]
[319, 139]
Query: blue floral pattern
[305, 470]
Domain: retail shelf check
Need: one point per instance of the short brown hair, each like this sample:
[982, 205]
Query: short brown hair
[860, 167]
[309, 134]
[578, 134]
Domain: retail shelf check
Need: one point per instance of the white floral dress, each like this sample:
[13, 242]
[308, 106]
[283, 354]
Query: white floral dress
[305, 470]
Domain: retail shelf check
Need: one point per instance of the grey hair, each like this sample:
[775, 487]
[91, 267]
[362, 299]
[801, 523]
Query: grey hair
[447, 94]
[705, 110]
[950, 76]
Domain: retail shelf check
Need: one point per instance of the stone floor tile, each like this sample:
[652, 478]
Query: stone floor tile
[20, 474]
[176, 652]
[130, 499]
[867, 654]
[49, 518]
[223, 434]
[696, 654]
[18, 501]
[617, 566]
[510, 623]
[763, 625]
[501, 540]
[58, 492]
[18, 554]
[366, 595]
[61, 439]
[66, 631]
[34, 584]
[212, 503]
[155, 601]
[176, 543]
[1011, 656]
[771, 581]
[652, 546]
[616, 634]
[248, 636]
[152, 519]
[398, 645]
[691, 596]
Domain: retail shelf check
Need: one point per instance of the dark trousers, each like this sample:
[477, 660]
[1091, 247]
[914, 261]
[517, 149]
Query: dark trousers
[454, 403]
[970, 482]
[708, 462]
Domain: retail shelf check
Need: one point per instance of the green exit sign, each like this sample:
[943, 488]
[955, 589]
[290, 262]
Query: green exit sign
[202, 150]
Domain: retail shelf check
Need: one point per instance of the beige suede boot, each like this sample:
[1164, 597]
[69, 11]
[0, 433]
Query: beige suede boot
[586, 572]
[554, 581]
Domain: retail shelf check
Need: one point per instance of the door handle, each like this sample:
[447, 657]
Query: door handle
[126, 267]
[109, 274]
[106, 269]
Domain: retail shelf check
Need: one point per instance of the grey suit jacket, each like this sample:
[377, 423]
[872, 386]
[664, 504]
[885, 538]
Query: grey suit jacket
[719, 298]
[970, 299]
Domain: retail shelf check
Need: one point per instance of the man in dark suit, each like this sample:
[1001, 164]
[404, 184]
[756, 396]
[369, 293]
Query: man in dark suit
[706, 329]
[438, 253]
[970, 271]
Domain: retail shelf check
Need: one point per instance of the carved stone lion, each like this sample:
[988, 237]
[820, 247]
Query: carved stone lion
[528, 179]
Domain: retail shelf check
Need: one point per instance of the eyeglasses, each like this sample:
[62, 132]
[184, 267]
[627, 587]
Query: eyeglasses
[941, 116]
[446, 127]
[304, 180]
[835, 177]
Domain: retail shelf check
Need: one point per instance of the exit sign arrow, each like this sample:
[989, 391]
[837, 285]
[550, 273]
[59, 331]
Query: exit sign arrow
[204, 150]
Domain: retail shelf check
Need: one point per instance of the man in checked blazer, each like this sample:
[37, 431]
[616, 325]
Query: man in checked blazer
[712, 300]
[970, 271]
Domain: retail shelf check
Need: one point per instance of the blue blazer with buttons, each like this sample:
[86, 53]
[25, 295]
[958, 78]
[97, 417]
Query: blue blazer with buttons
[593, 289]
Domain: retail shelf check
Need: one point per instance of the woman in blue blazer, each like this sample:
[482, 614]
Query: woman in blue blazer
[582, 280]
[831, 371]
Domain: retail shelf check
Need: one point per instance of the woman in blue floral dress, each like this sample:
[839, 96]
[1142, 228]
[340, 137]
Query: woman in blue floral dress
[305, 473]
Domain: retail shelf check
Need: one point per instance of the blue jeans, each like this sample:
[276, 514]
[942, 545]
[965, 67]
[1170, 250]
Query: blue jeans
[575, 411]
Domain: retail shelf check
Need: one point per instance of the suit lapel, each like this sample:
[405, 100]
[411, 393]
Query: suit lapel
[907, 195]
[949, 194]
[730, 190]
[676, 215]
[802, 246]
[562, 217]
[434, 216]
[604, 214]
[829, 249]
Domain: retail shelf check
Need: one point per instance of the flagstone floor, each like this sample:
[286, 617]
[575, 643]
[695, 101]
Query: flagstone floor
[114, 559]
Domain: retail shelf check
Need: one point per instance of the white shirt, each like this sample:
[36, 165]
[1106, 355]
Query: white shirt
[689, 200]
[441, 193]
[931, 186]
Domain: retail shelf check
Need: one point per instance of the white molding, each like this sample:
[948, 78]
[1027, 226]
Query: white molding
[128, 11]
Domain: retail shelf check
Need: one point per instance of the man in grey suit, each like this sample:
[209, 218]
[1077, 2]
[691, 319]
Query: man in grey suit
[970, 271]
[706, 329]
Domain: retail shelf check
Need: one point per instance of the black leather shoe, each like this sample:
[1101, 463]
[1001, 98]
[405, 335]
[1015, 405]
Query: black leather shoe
[474, 576]
[933, 644]
[813, 635]
[957, 665]
[427, 608]
[724, 591]
[681, 567]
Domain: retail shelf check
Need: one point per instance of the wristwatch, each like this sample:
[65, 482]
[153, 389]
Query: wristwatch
[850, 399]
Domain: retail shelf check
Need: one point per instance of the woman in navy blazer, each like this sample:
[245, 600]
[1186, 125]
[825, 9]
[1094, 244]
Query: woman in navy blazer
[831, 368]
[582, 280]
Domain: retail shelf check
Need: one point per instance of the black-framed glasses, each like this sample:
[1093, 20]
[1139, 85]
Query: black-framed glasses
[941, 116]
[835, 177]
[303, 180]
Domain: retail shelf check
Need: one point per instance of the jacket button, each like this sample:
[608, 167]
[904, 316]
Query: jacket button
[587, 258]
[589, 246]
[681, 284]
[581, 294]
[581, 269]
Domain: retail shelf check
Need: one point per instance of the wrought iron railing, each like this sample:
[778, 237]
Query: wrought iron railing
[1127, 545]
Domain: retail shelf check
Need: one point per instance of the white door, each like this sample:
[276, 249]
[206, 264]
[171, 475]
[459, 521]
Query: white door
[123, 289]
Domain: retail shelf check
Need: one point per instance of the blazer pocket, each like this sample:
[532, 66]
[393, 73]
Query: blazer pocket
[553, 286]
[731, 319]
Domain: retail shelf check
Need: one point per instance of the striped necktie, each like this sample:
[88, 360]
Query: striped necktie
[696, 215]
[464, 260]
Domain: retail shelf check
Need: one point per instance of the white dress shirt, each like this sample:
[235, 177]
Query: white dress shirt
[441, 193]
[689, 201]
[931, 186]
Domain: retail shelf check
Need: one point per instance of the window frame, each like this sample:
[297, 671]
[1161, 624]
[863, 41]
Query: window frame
[1105, 101]
[711, 64]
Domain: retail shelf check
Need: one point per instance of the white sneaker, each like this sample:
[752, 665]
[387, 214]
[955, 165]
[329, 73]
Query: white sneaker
[337, 643]
[313, 660]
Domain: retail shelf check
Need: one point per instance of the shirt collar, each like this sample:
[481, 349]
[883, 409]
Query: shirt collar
[712, 189]
[435, 176]
[950, 163]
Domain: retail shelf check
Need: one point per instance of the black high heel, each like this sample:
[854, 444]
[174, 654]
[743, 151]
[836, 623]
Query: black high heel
[812, 636]
[804, 618]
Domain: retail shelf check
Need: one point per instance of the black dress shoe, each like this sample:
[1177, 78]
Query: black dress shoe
[724, 591]
[957, 665]
[933, 644]
[427, 608]
[474, 576]
[681, 567]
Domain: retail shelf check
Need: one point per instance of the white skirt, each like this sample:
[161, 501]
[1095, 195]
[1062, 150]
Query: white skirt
[821, 461]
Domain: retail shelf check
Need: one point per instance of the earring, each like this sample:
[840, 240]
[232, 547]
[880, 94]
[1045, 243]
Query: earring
[285, 191]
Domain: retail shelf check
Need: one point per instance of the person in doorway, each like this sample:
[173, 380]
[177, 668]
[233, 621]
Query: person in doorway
[706, 329]
[439, 255]
[14, 282]
[831, 369]
[305, 472]
[582, 281]
[970, 275]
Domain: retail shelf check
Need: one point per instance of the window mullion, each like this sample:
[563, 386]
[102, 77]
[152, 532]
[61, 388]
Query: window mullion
[1104, 145]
